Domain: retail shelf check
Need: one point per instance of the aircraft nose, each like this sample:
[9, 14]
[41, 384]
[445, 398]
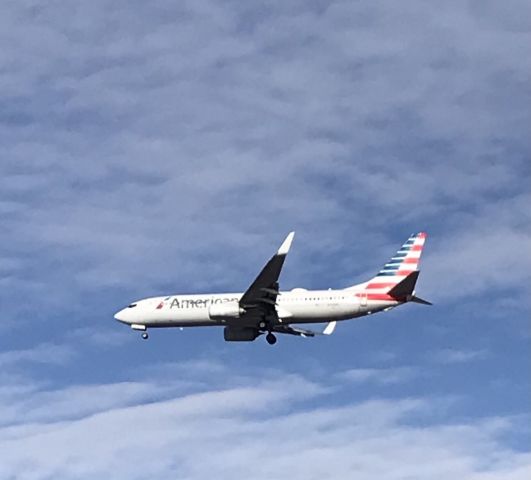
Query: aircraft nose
[120, 316]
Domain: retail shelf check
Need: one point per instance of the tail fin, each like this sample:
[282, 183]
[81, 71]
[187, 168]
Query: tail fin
[401, 265]
[405, 290]
[397, 279]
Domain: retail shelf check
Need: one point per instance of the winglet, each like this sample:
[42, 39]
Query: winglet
[284, 248]
[329, 328]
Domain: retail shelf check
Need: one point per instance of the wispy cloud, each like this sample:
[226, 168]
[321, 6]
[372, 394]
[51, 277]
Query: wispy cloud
[450, 355]
[153, 148]
[384, 438]
[46, 353]
[122, 137]
[381, 376]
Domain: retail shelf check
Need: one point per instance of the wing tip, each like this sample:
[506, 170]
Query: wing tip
[286, 244]
[330, 328]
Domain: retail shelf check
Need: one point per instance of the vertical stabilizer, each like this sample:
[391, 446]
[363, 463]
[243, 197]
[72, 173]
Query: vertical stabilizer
[404, 262]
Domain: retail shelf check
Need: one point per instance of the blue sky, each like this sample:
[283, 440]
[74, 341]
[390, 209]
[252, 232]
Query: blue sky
[153, 149]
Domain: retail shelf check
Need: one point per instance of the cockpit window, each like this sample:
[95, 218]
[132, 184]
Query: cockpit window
[133, 305]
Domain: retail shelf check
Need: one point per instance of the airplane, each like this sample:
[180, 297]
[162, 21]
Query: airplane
[264, 309]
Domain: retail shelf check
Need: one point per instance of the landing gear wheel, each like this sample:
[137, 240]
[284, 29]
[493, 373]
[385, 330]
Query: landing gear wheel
[262, 325]
[271, 339]
[145, 336]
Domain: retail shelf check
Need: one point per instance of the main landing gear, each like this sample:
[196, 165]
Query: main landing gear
[270, 337]
[145, 336]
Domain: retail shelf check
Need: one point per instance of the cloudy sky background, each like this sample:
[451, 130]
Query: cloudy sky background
[152, 149]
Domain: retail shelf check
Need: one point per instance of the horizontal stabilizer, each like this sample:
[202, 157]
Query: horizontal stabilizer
[405, 290]
[419, 300]
[405, 287]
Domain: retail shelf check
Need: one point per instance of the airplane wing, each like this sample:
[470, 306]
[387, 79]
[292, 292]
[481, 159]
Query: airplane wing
[260, 299]
[329, 329]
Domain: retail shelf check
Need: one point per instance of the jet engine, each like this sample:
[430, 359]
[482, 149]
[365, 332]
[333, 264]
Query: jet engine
[223, 311]
[240, 334]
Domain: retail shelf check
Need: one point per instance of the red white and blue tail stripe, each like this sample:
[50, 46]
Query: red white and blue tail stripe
[405, 261]
[395, 282]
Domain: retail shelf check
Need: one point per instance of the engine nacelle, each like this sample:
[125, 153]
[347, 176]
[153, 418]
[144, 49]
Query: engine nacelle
[240, 334]
[221, 311]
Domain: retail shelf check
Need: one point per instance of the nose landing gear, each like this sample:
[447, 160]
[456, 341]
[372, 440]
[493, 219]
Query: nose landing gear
[271, 339]
[141, 328]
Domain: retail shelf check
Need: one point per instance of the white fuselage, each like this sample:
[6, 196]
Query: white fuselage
[263, 309]
[296, 306]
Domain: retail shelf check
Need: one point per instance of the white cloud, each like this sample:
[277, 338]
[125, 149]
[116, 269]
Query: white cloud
[382, 376]
[450, 355]
[173, 143]
[266, 428]
[45, 353]
[141, 141]
[479, 256]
